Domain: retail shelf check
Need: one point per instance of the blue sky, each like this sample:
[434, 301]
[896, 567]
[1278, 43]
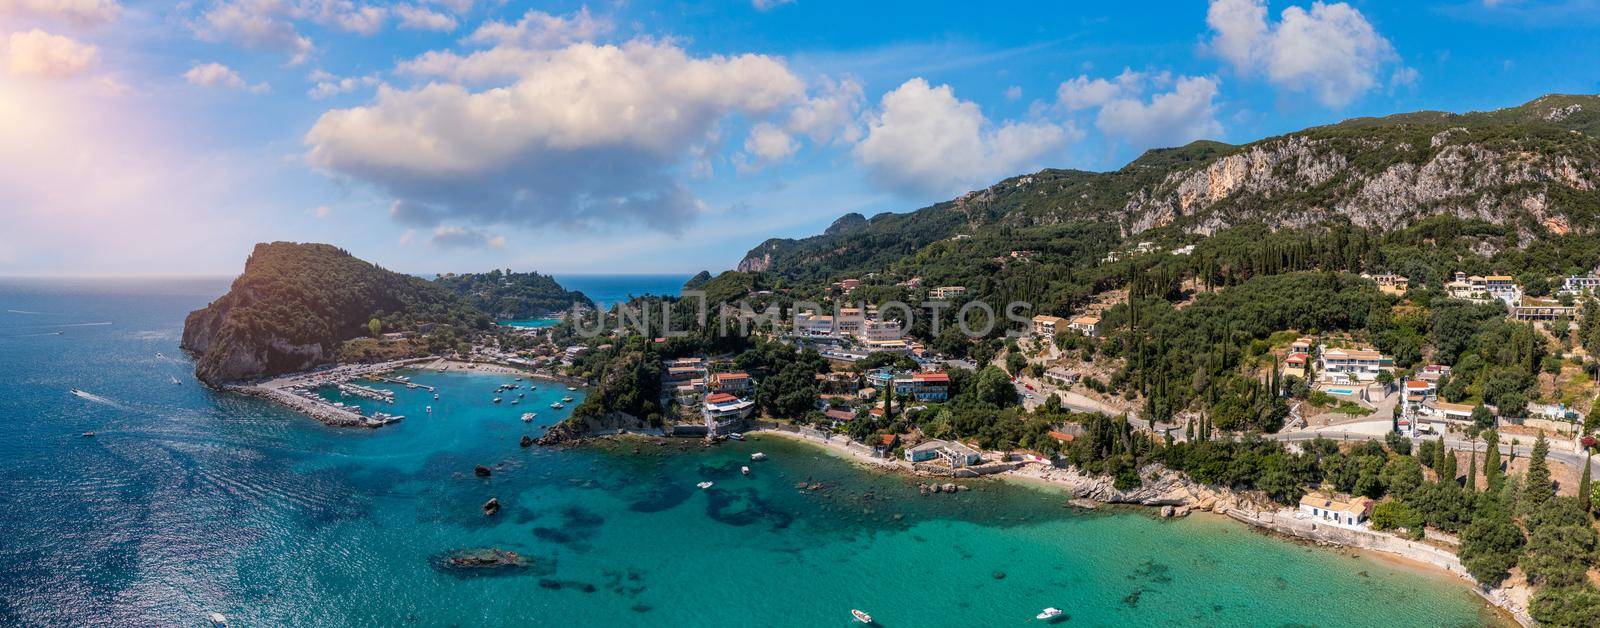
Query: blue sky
[459, 135]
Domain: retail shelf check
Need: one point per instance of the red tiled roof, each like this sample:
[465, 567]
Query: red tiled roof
[1061, 436]
[888, 440]
[932, 377]
[727, 376]
[720, 398]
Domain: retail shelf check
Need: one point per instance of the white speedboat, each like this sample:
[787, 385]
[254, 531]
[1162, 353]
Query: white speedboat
[527, 417]
[758, 456]
[704, 485]
[557, 405]
[497, 400]
[567, 399]
[572, 388]
[736, 436]
[515, 401]
[218, 620]
[174, 379]
[436, 396]
[1049, 613]
[861, 616]
[744, 470]
[428, 409]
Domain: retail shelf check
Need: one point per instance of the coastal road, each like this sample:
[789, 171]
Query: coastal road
[1569, 458]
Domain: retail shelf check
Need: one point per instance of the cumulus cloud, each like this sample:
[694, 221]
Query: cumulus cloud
[768, 5]
[484, 66]
[769, 144]
[831, 114]
[1331, 51]
[1182, 115]
[218, 75]
[422, 18]
[541, 30]
[37, 53]
[586, 135]
[273, 24]
[1083, 92]
[924, 141]
[258, 24]
[463, 238]
[84, 12]
[325, 85]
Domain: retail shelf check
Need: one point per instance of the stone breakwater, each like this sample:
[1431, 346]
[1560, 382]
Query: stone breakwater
[326, 413]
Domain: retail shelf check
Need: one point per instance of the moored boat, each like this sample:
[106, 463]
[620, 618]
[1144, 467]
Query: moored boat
[527, 417]
[744, 470]
[218, 620]
[758, 456]
[861, 616]
[557, 405]
[1048, 613]
[736, 436]
[497, 400]
[704, 485]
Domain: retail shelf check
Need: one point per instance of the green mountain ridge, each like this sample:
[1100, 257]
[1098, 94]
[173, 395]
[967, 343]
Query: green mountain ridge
[1534, 168]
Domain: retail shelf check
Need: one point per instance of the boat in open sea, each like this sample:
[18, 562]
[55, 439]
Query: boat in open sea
[861, 616]
[1048, 614]
[557, 406]
[705, 485]
[527, 417]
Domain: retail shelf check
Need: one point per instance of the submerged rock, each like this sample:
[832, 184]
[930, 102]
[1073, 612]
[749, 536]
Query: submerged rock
[527, 441]
[483, 559]
[481, 471]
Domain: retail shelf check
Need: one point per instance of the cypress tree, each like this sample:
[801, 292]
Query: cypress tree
[1472, 470]
[1583, 485]
[1536, 488]
[1449, 471]
[1492, 480]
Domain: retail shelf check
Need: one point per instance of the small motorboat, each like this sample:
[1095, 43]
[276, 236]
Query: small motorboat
[557, 405]
[519, 395]
[758, 456]
[436, 396]
[572, 388]
[174, 379]
[704, 485]
[218, 620]
[567, 399]
[744, 470]
[861, 616]
[88, 434]
[1048, 613]
[428, 409]
[527, 417]
[736, 436]
[497, 400]
[515, 401]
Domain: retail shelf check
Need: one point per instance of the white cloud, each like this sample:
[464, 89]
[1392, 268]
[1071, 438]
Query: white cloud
[769, 143]
[768, 5]
[1082, 92]
[1173, 118]
[1330, 51]
[274, 24]
[540, 30]
[454, 237]
[218, 75]
[259, 24]
[832, 114]
[483, 66]
[83, 12]
[586, 135]
[326, 85]
[423, 18]
[37, 53]
[926, 141]
[1014, 92]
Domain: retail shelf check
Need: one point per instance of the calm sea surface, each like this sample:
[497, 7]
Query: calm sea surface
[188, 501]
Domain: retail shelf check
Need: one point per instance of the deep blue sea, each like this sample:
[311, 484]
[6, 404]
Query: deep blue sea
[608, 290]
[188, 501]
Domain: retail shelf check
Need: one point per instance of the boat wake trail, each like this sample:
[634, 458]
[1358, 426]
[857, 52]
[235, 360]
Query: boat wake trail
[95, 398]
[22, 312]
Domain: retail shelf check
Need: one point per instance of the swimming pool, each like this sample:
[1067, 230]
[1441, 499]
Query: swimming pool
[1340, 391]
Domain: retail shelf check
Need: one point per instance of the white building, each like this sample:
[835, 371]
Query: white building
[1338, 509]
[725, 413]
[956, 454]
[945, 292]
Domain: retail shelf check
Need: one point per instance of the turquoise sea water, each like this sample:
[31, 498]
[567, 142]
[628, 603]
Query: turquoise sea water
[188, 501]
[531, 323]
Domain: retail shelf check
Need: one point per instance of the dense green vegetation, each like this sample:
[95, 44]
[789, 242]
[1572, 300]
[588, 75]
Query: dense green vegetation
[509, 295]
[295, 303]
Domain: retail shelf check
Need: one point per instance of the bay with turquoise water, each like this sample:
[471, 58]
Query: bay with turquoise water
[609, 290]
[188, 501]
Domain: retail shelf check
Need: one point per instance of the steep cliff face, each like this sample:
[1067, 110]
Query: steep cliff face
[292, 307]
[1534, 168]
